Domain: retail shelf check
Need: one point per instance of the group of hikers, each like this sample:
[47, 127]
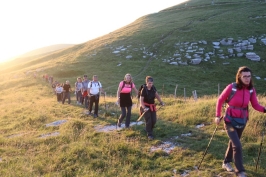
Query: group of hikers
[236, 95]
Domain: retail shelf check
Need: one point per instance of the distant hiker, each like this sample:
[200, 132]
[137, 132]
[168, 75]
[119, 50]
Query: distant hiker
[84, 91]
[124, 98]
[66, 92]
[148, 108]
[237, 96]
[78, 87]
[94, 89]
[59, 91]
[46, 77]
[54, 84]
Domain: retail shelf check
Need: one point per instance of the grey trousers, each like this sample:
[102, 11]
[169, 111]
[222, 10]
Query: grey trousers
[234, 149]
[150, 119]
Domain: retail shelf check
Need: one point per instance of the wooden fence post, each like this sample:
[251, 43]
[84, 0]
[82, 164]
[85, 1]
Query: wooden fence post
[185, 94]
[175, 90]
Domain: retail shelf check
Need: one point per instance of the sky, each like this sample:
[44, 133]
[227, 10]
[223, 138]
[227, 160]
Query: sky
[31, 24]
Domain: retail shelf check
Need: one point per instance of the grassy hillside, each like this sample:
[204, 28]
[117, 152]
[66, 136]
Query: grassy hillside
[31, 148]
[140, 48]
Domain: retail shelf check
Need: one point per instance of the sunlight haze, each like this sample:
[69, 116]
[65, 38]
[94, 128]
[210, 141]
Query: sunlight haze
[29, 24]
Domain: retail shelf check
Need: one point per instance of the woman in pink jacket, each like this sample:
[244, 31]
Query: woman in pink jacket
[237, 96]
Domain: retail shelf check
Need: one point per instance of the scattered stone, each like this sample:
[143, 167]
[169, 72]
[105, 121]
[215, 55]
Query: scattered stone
[119, 64]
[200, 126]
[116, 51]
[185, 173]
[195, 61]
[216, 43]
[49, 134]
[240, 54]
[252, 56]
[187, 134]
[165, 146]
[173, 63]
[128, 57]
[109, 128]
[257, 77]
[263, 40]
[56, 123]
[226, 63]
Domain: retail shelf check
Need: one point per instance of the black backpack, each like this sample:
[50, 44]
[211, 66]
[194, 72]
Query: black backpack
[143, 86]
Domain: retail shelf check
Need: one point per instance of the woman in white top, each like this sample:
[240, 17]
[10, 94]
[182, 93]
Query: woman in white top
[59, 91]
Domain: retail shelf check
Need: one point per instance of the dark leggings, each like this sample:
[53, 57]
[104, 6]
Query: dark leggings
[234, 149]
[124, 114]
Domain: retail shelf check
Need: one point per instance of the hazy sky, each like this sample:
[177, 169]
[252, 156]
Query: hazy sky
[30, 24]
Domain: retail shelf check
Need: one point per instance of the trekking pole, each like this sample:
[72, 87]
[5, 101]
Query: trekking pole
[209, 144]
[264, 124]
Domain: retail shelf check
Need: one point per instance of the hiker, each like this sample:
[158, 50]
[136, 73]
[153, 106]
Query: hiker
[236, 116]
[94, 89]
[84, 91]
[78, 87]
[59, 91]
[54, 84]
[124, 99]
[148, 108]
[66, 92]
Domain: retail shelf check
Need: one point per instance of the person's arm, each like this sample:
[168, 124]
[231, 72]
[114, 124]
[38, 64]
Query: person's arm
[136, 91]
[89, 87]
[159, 98]
[142, 102]
[255, 104]
[224, 95]
[118, 94]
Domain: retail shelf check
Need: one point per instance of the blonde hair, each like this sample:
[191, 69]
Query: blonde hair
[125, 78]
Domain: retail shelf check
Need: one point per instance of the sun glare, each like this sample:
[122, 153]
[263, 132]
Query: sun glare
[32, 24]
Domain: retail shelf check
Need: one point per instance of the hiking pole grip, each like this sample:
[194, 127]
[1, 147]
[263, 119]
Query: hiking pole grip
[209, 144]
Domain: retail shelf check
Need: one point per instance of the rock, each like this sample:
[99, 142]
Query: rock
[216, 43]
[128, 57]
[240, 54]
[195, 61]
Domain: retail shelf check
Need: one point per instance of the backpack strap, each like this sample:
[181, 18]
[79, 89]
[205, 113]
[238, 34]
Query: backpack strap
[233, 91]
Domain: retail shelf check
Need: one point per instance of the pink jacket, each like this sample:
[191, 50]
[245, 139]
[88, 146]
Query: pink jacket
[240, 99]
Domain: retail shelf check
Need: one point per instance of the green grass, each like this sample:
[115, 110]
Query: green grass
[81, 151]
[27, 104]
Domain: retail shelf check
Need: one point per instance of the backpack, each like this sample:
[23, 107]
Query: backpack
[124, 83]
[145, 87]
[233, 91]
[91, 84]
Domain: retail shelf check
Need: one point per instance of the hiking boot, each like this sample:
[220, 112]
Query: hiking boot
[95, 115]
[118, 124]
[228, 167]
[242, 174]
[150, 138]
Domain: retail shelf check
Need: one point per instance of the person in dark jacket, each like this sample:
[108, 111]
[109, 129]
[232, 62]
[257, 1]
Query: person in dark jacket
[148, 108]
